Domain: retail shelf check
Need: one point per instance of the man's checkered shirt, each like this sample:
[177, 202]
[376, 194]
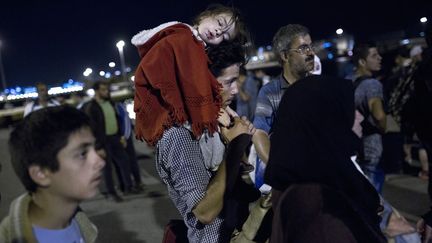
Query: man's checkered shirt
[180, 165]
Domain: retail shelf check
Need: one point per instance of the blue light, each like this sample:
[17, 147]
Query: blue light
[18, 89]
[29, 90]
[330, 56]
[327, 44]
[405, 42]
[7, 91]
[70, 81]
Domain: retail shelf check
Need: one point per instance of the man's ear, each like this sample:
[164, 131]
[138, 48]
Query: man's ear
[283, 56]
[362, 62]
[39, 175]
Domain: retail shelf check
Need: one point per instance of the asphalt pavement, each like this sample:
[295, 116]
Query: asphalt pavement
[142, 217]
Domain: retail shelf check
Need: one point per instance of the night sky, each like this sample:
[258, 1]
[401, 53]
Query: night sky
[52, 41]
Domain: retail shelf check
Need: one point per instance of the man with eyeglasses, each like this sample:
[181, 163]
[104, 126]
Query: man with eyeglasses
[293, 47]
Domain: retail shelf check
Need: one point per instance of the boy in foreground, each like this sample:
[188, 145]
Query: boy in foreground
[53, 153]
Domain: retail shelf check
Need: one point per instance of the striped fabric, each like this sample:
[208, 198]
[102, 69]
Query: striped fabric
[268, 101]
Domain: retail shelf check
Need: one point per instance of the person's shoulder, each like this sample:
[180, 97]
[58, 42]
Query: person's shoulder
[15, 217]
[180, 30]
[5, 230]
[87, 228]
[177, 134]
[372, 81]
[86, 104]
[271, 86]
[369, 83]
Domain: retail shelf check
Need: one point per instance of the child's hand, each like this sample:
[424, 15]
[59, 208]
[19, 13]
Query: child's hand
[224, 118]
[231, 112]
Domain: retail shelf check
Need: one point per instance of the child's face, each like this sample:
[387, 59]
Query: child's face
[80, 168]
[215, 29]
[228, 80]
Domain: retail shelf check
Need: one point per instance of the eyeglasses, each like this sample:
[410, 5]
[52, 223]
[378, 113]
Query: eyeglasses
[303, 49]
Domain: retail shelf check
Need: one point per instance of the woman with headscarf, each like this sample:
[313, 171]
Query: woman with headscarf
[318, 193]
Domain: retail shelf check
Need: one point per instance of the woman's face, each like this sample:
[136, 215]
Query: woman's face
[215, 29]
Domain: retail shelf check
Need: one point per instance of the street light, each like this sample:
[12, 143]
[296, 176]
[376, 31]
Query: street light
[87, 72]
[111, 64]
[339, 31]
[423, 19]
[120, 46]
[3, 76]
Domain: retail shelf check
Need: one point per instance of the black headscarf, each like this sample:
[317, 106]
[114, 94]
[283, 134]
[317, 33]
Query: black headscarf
[312, 141]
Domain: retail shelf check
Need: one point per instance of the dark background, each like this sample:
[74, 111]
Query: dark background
[52, 41]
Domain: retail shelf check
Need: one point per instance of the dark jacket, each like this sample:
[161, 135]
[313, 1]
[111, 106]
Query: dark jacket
[97, 120]
[421, 103]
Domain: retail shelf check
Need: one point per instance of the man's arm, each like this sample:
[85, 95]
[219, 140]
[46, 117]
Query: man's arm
[180, 156]
[212, 203]
[261, 142]
[263, 121]
[377, 111]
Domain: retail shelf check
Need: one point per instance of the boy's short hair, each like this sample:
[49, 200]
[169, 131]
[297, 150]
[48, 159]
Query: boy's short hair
[39, 137]
[225, 55]
[361, 51]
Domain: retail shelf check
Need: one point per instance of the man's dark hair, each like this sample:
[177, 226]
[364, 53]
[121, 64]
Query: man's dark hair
[225, 55]
[39, 137]
[98, 83]
[40, 84]
[361, 51]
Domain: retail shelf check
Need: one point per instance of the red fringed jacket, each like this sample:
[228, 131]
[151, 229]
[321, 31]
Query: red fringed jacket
[173, 83]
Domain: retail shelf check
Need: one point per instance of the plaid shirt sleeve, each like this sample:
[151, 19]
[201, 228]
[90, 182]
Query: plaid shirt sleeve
[182, 169]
